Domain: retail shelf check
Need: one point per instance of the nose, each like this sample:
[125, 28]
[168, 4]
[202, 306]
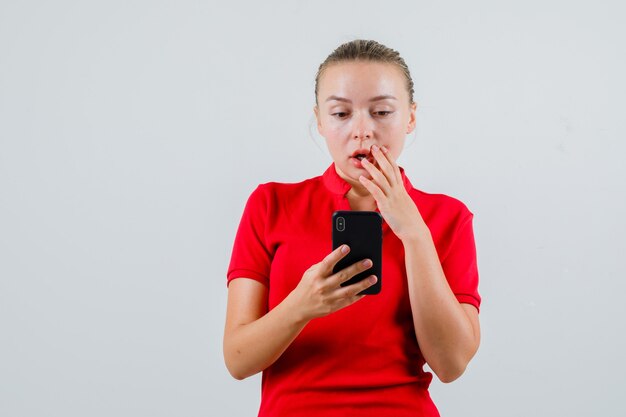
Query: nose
[362, 128]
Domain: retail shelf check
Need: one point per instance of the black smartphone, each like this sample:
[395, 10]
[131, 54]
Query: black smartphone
[363, 232]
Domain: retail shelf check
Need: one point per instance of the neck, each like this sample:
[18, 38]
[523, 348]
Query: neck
[361, 202]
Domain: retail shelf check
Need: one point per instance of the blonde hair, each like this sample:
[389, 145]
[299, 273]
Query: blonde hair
[366, 50]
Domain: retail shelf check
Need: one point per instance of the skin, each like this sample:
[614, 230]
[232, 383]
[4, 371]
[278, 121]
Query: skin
[361, 105]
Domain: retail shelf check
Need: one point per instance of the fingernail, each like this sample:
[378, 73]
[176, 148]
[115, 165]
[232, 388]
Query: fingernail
[384, 149]
[373, 279]
[344, 249]
[367, 262]
[376, 148]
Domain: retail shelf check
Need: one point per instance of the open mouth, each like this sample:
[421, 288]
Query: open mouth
[359, 155]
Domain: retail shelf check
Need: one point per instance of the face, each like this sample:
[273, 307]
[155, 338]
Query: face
[361, 104]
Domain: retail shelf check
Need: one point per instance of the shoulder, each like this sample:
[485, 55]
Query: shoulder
[281, 190]
[275, 197]
[441, 205]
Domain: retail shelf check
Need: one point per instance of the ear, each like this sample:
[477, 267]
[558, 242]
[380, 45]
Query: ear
[316, 111]
[411, 126]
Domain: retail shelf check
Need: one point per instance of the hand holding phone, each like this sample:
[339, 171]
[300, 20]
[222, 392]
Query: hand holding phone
[320, 291]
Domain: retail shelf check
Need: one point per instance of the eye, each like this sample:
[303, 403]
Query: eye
[340, 114]
[383, 113]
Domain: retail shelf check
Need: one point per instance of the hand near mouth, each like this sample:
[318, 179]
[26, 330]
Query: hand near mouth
[392, 199]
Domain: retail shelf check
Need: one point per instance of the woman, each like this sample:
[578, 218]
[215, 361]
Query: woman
[323, 349]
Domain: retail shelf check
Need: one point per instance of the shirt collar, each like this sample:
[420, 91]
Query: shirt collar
[338, 185]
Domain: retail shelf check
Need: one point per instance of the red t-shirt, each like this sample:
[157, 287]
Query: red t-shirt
[364, 359]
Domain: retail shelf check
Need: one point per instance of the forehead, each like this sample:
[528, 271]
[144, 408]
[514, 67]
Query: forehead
[361, 79]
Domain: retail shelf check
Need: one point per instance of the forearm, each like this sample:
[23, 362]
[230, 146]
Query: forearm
[250, 348]
[445, 333]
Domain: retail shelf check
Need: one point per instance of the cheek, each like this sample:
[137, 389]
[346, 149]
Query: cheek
[336, 132]
[339, 128]
[394, 149]
[329, 128]
[334, 146]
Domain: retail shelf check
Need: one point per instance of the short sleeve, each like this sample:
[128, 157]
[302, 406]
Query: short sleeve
[251, 257]
[460, 265]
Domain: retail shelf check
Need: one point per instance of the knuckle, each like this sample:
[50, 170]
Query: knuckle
[326, 307]
[323, 263]
[343, 275]
[349, 273]
[318, 288]
[355, 271]
[346, 294]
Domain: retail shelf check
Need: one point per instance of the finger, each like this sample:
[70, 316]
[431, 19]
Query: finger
[328, 263]
[377, 175]
[385, 164]
[354, 290]
[345, 302]
[394, 164]
[373, 188]
[348, 272]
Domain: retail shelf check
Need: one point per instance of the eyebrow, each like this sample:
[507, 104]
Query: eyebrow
[377, 98]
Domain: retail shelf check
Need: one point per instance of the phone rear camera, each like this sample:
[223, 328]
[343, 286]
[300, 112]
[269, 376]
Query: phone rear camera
[341, 224]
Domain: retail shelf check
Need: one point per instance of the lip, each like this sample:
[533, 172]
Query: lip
[363, 151]
[356, 163]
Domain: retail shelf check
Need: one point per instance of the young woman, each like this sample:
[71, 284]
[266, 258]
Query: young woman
[323, 349]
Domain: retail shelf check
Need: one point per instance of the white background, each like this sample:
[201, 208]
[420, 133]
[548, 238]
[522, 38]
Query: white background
[132, 133]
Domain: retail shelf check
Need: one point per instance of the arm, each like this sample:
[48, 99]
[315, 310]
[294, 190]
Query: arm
[448, 332]
[255, 338]
[247, 347]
